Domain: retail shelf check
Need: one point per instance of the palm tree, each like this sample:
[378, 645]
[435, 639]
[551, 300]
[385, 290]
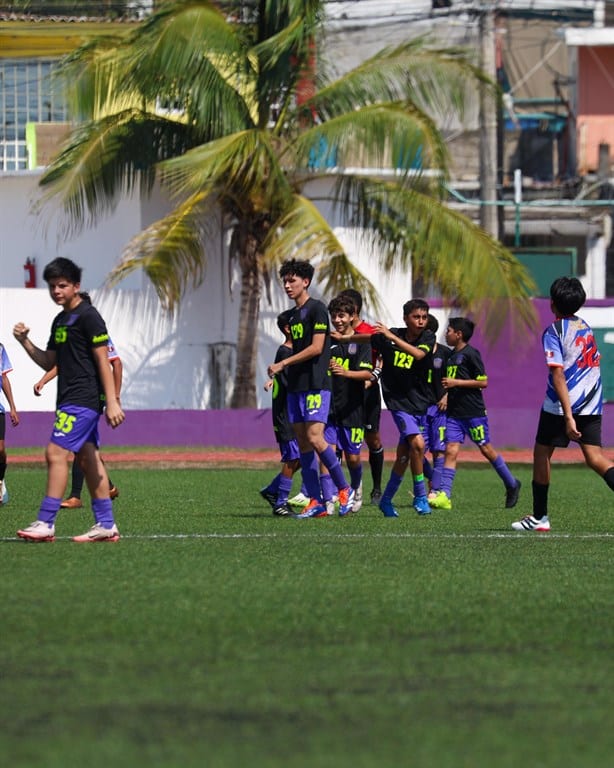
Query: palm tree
[240, 133]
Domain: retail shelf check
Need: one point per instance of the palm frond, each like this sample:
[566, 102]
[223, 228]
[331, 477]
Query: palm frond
[107, 158]
[170, 252]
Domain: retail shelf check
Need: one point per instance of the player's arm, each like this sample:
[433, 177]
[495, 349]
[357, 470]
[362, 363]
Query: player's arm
[416, 352]
[45, 379]
[562, 392]
[117, 369]
[479, 383]
[44, 357]
[311, 350]
[8, 391]
[114, 414]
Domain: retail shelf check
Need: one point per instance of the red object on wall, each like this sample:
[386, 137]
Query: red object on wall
[29, 273]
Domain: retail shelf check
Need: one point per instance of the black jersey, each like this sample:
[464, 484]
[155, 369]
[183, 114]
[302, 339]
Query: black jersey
[437, 372]
[73, 334]
[281, 426]
[465, 403]
[305, 322]
[348, 403]
[404, 379]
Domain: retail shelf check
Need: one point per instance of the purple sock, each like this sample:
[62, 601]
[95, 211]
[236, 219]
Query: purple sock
[437, 470]
[447, 478]
[273, 486]
[49, 509]
[427, 469]
[356, 476]
[419, 486]
[284, 486]
[503, 471]
[103, 512]
[328, 457]
[328, 487]
[392, 486]
[311, 476]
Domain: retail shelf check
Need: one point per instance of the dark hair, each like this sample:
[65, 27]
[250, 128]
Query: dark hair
[86, 297]
[432, 323]
[298, 268]
[567, 295]
[354, 296]
[62, 267]
[283, 319]
[463, 325]
[342, 303]
[412, 304]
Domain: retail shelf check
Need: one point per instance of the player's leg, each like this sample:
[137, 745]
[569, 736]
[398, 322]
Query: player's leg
[77, 478]
[97, 481]
[416, 462]
[590, 426]
[4, 496]
[397, 472]
[480, 434]
[373, 411]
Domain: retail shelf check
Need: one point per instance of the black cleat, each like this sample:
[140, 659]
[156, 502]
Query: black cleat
[269, 497]
[283, 510]
[512, 494]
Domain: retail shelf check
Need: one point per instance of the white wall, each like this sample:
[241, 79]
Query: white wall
[166, 359]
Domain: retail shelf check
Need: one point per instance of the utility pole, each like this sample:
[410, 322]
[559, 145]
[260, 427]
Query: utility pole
[488, 123]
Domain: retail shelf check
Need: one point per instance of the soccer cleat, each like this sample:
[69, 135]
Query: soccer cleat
[314, 508]
[440, 500]
[387, 508]
[72, 503]
[300, 500]
[98, 534]
[530, 523]
[357, 499]
[38, 531]
[4, 494]
[113, 492]
[270, 498]
[346, 501]
[282, 510]
[330, 507]
[376, 496]
[421, 505]
[512, 494]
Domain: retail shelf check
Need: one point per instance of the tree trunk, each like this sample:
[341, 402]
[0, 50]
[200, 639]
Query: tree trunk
[244, 394]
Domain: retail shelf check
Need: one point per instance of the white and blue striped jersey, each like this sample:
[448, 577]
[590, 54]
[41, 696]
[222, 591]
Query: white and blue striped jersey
[5, 366]
[569, 343]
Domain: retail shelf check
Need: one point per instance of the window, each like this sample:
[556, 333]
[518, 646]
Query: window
[27, 95]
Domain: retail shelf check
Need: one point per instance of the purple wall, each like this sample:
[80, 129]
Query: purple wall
[516, 376]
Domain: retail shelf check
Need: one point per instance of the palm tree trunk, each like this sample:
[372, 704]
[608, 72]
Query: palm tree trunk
[244, 394]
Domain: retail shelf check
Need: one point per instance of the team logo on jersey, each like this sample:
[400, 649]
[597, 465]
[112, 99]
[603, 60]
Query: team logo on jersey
[352, 349]
[549, 353]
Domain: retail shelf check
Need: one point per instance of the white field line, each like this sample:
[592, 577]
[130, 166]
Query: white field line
[512, 536]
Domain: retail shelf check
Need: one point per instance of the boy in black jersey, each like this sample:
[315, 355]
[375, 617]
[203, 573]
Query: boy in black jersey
[277, 491]
[406, 354]
[351, 367]
[309, 387]
[436, 416]
[465, 380]
[78, 346]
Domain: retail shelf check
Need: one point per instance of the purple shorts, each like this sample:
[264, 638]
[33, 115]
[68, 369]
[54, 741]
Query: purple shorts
[74, 426]
[477, 429]
[408, 425]
[308, 406]
[350, 439]
[435, 430]
[289, 451]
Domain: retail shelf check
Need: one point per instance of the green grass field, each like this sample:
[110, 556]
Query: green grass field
[214, 634]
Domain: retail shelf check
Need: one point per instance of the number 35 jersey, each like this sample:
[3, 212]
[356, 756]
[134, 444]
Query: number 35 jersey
[569, 343]
[404, 379]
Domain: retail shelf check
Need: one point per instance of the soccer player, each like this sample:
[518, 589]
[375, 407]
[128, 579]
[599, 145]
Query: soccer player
[73, 501]
[466, 378]
[78, 346]
[406, 354]
[435, 423]
[573, 406]
[373, 402]
[351, 367]
[6, 368]
[277, 491]
[309, 387]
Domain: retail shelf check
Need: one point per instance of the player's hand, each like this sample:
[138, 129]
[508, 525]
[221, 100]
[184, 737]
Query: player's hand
[274, 368]
[384, 330]
[14, 418]
[114, 414]
[572, 430]
[336, 369]
[268, 385]
[20, 332]
[448, 383]
[38, 388]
